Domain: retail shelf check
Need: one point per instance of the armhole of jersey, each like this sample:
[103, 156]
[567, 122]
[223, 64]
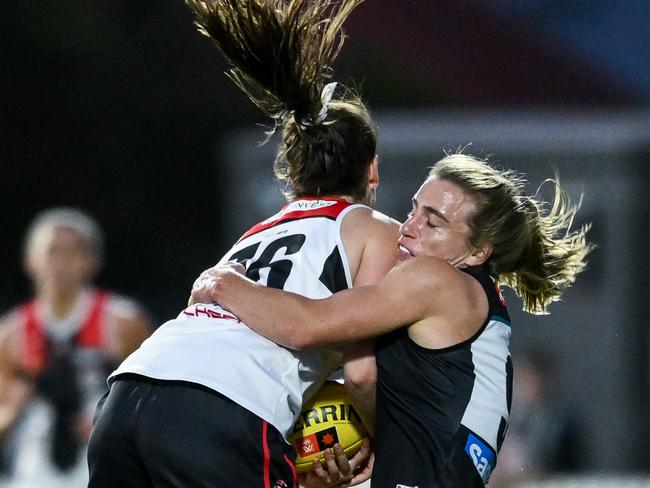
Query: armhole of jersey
[33, 344]
[339, 240]
[93, 331]
[493, 314]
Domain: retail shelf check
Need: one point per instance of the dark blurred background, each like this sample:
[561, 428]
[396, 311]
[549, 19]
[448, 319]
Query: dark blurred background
[120, 107]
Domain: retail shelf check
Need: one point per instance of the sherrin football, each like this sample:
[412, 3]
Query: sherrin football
[328, 418]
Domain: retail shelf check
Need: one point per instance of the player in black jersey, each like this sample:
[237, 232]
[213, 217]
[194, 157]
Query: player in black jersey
[444, 370]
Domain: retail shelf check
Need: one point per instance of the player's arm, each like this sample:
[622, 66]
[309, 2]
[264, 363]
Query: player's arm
[130, 327]
[378, 256]
[15, 389]
[402, 298]
[360, 373]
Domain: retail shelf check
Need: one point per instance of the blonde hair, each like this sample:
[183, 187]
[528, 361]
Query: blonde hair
[281, 53]
[535, 252]
[69, 218]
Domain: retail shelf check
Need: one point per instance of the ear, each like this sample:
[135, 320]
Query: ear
[373, 173]
[91, 268]
[480, 255]
[28, 265]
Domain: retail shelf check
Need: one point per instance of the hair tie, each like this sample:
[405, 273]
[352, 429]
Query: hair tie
[325, 98]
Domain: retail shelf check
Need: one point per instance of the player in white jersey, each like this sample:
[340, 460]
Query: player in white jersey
[444, 370]
[206, 401]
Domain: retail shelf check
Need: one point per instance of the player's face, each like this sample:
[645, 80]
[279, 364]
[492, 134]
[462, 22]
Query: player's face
[437, 224]
[60, 259]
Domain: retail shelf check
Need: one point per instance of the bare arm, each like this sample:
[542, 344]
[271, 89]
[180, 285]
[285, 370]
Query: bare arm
[15, 389]
[129, 325]
[405, 296]
[377, 258]
[129, 333]
[360, 372]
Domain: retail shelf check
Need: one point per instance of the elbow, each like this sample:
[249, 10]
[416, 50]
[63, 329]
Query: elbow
[303, 340]
[360, 374]
[360, 383]
[306, 330]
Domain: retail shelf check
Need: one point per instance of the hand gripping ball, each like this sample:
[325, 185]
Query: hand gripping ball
[328, 418]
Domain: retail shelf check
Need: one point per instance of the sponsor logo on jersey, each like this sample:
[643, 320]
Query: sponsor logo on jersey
[326, 413]
[482, 456]
[316, 442]
[299, 206]
[405, 486]
[199, 310]
[280, 484]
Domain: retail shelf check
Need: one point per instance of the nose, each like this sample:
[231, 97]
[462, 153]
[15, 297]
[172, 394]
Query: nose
[408, 226]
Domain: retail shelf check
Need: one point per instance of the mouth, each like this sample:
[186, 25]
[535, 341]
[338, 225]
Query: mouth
[404, 252]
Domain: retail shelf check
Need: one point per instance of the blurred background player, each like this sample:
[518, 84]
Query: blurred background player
[545, 437]
[56, 351]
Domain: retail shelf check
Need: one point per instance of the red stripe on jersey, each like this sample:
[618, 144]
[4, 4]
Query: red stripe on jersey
[302, 209]
[91, 333]
[292, 466]
[35, 350]
[267, 455]
[34, 347]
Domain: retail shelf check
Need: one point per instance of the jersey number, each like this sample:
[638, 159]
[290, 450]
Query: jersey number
[279, 268]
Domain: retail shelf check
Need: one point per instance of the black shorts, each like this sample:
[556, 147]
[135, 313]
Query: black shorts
[153, 433]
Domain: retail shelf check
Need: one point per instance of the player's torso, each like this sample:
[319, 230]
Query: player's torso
[299, 249]
[79, 341]
[452, 404]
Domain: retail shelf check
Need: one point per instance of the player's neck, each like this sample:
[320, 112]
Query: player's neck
[330, 197]
[60, 302]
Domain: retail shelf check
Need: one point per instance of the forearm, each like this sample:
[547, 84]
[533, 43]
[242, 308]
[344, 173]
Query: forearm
[360, 372]
[275, 314]
[13, 396]
[363, 398]
[298, 322]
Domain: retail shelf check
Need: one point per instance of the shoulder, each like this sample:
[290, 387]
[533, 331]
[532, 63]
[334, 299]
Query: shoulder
[427, 270]
[125, 313]
[11, 317]
[438, 279]
[457, 304]
[369, 221]
[370, 241]
[128, 325]
[10, 334]
[11, 321]
[122, 306]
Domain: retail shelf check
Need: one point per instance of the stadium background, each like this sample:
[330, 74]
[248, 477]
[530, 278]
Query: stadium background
[121, 108]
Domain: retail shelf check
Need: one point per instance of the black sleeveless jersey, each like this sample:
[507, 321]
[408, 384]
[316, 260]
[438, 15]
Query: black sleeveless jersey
[442, 413]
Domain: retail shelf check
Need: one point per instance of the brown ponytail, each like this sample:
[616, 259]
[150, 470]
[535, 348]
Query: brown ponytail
[281, 53]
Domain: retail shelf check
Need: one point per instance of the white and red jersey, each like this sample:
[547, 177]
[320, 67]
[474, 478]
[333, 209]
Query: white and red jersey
[83, 328]
[84, 336]
[299, 249]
